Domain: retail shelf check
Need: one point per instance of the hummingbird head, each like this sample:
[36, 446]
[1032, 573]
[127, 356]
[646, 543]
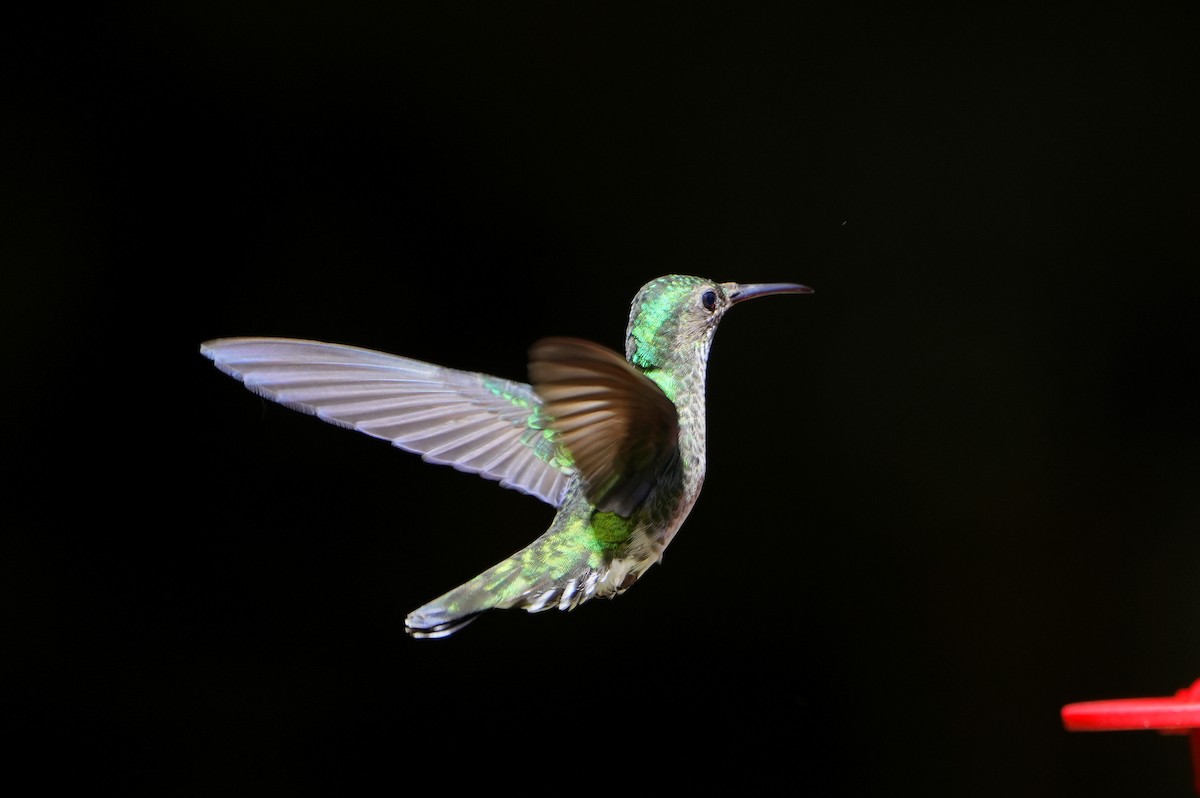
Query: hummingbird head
[676, 316]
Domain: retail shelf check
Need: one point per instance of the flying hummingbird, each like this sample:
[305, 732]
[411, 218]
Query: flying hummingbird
[617, 444]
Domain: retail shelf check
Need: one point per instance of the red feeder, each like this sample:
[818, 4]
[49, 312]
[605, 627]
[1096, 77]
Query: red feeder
[1179, 714]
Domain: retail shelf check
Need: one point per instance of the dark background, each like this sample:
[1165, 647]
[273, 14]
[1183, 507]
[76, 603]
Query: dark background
[950, 492]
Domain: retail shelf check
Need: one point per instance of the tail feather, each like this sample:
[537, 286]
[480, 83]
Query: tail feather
[533, 579]
[424, 622]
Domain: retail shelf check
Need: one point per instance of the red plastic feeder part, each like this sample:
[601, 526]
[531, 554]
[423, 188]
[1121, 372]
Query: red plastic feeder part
[1179, 714]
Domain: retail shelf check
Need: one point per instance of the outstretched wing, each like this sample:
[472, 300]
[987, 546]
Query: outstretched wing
[476, 423]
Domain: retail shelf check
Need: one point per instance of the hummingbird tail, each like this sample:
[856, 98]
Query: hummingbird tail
[528, 580]
[503, 586]
[496, 587]
[436, 620]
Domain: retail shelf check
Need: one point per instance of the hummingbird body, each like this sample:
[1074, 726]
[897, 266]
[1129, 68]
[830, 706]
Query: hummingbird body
[616, 444]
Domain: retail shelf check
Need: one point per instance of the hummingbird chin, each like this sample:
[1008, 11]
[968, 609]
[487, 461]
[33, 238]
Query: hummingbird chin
[616, 444]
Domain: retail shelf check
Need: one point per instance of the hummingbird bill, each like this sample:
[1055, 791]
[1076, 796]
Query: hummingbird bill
[615, 443]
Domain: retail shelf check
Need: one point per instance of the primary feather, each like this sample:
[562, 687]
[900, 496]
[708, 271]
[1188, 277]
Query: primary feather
[473, 422]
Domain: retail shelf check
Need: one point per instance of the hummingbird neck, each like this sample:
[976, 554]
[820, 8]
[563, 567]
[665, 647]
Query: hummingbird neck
[679, 371]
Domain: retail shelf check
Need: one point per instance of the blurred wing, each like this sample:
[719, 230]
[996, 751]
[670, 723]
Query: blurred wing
[617, 424]
[476, 423]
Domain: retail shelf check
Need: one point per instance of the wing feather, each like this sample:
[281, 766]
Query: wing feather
[473, 422]
[617, 424]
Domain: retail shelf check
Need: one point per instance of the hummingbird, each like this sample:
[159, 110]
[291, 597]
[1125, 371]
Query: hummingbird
[616, 444]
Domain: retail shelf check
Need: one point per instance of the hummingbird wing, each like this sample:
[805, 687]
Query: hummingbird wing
[617, 424]
[477, 423]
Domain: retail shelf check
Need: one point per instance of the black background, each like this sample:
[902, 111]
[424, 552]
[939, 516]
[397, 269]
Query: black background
[950, 492]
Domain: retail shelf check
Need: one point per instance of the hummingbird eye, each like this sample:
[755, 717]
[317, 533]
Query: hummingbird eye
[709, 299]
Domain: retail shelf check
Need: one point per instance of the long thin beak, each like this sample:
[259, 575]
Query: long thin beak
[740, 293]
